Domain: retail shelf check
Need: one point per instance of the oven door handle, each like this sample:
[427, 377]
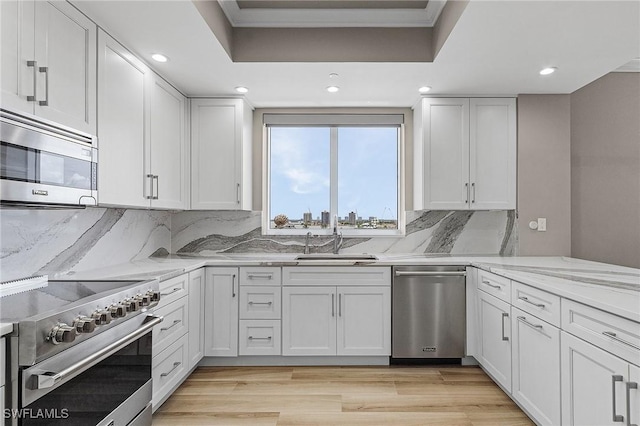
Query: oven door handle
[49, 379]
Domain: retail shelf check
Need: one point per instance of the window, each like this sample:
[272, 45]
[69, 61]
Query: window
[326, 167]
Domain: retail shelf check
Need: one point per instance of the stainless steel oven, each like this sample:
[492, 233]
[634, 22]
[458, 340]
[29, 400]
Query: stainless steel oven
[41, 163]
[81, 353]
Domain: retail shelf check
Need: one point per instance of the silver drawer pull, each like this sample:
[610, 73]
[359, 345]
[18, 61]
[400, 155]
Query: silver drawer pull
[504, 315]
[175, 322]
[260, 276]
[261, 303]
[487, 282]
[171, 292]
[630, 385]
[175, 365]
[615, 337]
[524, 321]
[259, 338]
[615, 378]
[526, 299]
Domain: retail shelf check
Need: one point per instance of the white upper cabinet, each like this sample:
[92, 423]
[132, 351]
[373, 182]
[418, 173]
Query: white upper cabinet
[221, 154]
[142, 133]
[49, 62]
[465, 154]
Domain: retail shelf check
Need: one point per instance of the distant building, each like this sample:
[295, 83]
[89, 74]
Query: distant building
[352, 218]
[326, 219]
[307, 218]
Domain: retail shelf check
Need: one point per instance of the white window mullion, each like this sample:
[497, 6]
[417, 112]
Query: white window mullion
[334, 174]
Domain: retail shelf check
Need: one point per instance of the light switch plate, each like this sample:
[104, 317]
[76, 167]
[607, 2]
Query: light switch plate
[542, 224]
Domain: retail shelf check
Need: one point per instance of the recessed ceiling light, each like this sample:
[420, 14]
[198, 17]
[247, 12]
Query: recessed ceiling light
[547, 71]
[424, 89]
[241, 89]
[158, 57]
[332, 89]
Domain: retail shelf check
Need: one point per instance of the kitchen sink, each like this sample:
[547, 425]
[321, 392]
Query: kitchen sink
[331, 256]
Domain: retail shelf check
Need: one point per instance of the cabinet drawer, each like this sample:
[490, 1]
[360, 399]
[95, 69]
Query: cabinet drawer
[495, 285]
[336, 275]
[173, 289]
[168, 369]
[173, 326]
[259, 337]
[260, 276]
[3, 360]
[539, 303]
[614, 334]
[260, 302]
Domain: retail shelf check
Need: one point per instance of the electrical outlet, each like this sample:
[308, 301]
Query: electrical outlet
[542, 224]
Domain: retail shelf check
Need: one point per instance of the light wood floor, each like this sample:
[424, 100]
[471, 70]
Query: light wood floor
[339, 396]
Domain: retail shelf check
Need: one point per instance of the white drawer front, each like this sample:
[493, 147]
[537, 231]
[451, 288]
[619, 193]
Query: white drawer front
[173, 289]
[169, 368]
[259, 337]
[495, 285]
[539, 303]
[3, 360]
[173, 326]
[260, 302]
[336, 275]
[614, 334]
[259, 275]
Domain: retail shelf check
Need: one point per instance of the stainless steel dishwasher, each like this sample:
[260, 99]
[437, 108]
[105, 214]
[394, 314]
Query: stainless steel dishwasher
[428, 316]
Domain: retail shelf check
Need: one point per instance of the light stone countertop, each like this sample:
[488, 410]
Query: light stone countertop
[615, 289]
[5, 328]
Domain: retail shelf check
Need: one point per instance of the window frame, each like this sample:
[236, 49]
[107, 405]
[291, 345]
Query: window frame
[333, 122]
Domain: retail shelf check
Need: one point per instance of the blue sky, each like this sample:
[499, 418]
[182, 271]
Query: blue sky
[367, 171]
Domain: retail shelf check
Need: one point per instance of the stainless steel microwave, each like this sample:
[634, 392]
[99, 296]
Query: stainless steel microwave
[43, 164]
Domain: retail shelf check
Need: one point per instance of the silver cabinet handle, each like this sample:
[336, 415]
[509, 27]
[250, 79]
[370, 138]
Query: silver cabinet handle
[630, 385]
[155, 196]
[340, 304]
[535, 326]
[175, 365]
[333, 305]
[466, 191]
[487, 282]
[171, 292]
[615, 337]
[150, 196]
[238, 193]
[526, 299]
[45, 71]
[259, 338]
[233, 286]
[261, 303]
[504, 315]
[473, 187]
[34, 64]
[266, 276]
[175, 322]
[615, 378]
[430, 274]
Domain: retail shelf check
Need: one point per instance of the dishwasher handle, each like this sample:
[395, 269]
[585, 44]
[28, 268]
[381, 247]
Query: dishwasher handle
[431, 273]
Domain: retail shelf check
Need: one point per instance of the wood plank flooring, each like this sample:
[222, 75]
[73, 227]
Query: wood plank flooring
[452, 396]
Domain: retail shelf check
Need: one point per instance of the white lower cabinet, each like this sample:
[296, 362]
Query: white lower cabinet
[494, 344]
[169, 369]
[196, 314]
[174, 324]
[633, 395]
[336, 320]
[221, 311]
[535, 358]
[259, 337]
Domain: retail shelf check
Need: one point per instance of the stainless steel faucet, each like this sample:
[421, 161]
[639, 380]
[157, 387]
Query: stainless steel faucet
[306, 242]
[337, 238]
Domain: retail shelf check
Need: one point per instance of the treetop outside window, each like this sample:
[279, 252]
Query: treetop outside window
[326, 167]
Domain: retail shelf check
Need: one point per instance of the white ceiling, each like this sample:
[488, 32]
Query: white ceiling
[497, 48]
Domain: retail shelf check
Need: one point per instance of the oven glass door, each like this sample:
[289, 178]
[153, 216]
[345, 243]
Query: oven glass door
[97, 396]
[23, 164]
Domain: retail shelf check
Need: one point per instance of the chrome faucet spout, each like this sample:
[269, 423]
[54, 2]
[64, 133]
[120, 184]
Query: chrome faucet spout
[306, 242]
[337, 238]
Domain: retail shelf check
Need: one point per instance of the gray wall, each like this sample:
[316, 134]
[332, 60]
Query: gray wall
[605, 170]
[544, 173]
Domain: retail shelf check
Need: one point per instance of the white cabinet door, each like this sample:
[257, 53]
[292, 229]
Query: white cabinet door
[220, 154]
[536, 366]
[494, 346]
[221, 312]
[196, 316]
[309, 321]
[633, 396]
[492, 153]
[593, 385]
[442, 154]
[65, 49]
[168, 147]
[16, 50]
[123, 83]
[364, 321]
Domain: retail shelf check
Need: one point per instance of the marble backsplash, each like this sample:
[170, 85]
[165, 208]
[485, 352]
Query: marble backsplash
[36, 242]
[452, 232]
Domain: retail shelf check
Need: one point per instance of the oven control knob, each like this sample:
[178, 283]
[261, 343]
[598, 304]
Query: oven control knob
[132, 304]
[102, 317]
[62, 333]
[154, 295]
[118, 311]
[84, 325]
[144, 299]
